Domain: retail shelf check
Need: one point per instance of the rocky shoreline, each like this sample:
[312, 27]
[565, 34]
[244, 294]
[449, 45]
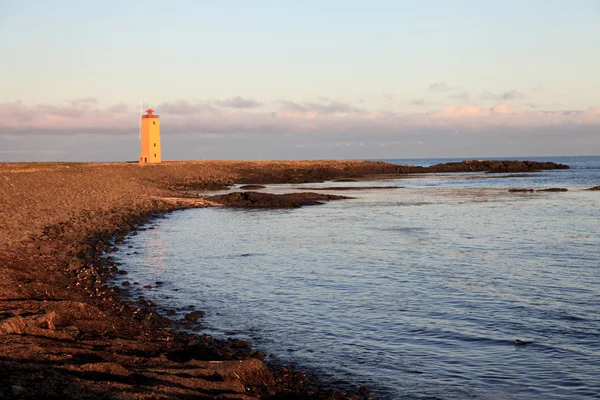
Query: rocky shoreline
[66, 333]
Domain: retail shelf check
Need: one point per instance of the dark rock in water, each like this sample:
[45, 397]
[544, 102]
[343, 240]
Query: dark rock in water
[252, 187]
[594, 188]
[122, 272]
[170, 312]
[239, 344]
[495, 166]
[345, 180]
[269, 200]
[351, 188]
[520, 190]
[553, 190]
[126, 283]
[148, 287]
[194, 315]
[522, 342]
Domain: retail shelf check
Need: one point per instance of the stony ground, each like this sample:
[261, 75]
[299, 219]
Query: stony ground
[66, 333]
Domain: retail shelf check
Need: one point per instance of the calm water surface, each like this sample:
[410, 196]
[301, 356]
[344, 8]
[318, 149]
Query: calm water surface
[416, 292]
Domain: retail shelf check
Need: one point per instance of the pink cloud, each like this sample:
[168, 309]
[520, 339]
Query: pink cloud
[182, 116]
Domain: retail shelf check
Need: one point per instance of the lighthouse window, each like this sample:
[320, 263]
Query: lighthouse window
[153, 122]
[154, 155]
[154, 144]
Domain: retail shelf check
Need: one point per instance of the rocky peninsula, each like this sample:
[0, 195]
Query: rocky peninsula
[66, 332]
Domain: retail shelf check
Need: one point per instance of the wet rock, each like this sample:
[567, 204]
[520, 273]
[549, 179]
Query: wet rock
[122, 272]
[345, 180]
[170, 312]
[520, 190]
[194, 315]
[518, 342]
[252, 187]
[594, 188]
[553, 190]
[240, 344]
[148, 287]
[269, 200]
[125, 283]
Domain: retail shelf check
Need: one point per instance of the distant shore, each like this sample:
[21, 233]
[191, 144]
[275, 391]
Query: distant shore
[66, 333]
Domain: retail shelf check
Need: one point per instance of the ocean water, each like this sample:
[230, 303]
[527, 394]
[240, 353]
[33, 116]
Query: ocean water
[417, 291]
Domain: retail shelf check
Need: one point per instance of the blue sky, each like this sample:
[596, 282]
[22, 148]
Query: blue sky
[315, 75]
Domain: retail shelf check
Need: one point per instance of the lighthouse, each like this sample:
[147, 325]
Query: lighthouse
[150, 138]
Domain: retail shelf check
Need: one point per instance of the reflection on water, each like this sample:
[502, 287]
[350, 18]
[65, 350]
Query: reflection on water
[416, 292]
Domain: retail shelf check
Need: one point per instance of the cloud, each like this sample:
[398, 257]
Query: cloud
[462, 96]
[330, 107]
[289, 118]
[179, 107]
[418, 102]
[239, 103]
[441, 87]
[504, 96]
[388, 96]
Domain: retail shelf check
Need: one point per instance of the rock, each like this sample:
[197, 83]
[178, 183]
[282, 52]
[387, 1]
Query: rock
[45, 250]
[194, 315]
[252, 187]
[76, 264]
[171, 312]
[553, 190]
[105, 368]
[520, 190]
[48, 320]
[125, 283]
[17, 391]
[518, 342]
[148, 287]
[270, 200]
[241, 344]
[594, 188]
[14, 325]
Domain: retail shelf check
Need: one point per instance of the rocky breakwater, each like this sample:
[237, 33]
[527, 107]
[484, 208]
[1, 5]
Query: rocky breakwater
[267, 172]
[269, 200]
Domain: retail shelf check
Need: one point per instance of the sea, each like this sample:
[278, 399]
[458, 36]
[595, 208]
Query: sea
[416, 291]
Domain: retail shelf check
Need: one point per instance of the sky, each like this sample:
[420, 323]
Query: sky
[304, 79]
